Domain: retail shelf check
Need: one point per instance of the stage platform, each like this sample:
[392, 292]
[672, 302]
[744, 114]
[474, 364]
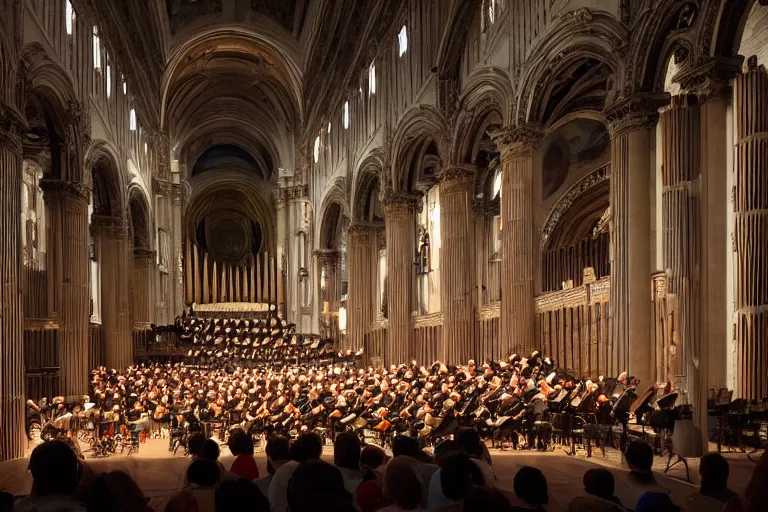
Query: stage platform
[159, 473]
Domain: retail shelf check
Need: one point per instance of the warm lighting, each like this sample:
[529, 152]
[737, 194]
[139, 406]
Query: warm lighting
[109, 81]
[132, 120]
[402, 39]
[342, 319]
[322, 280]
[96, 48]
[346, 115]
[372, 79]
[316, 150]
[69, 18]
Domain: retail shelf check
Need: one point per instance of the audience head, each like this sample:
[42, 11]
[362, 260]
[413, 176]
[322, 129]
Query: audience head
[211, 450]
[195, 444]
[232, 494]
[486, 499]
[402, 483]
[599, 482]
[306, 447]
[346, 451]
[55, 469]
[116, 491]
[278, 449]
[639, 457]
[183, 501]
[531, 486]
[714, 471]
[317, 485]
[655, 502]
[240, 443]
[469, 441]
[405, 445]
[203, 473]
[458, 475]
[445, 449]
[372, 457]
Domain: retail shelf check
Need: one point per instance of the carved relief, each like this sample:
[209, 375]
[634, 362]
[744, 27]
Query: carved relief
[634, 113]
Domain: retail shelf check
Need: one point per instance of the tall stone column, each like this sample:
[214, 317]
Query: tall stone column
[629, 124]
[751, 230]
[12, 410]
[113, 236]
[141, 287]
[456, 265]
[361, 251]
[519, 195]
[177, 230]
[329, 261]
[69, 201]
[399, 218]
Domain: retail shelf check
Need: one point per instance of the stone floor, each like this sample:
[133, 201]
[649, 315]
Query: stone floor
[159, 473]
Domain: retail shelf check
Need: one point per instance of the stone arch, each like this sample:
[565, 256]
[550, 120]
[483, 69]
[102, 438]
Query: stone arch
[332, 216]
[105, 179]
[583, 44]
[422, 132]
[367, 186]
[139, 218]
[486, 102]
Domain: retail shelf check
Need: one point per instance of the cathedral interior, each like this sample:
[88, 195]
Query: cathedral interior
[413, 179]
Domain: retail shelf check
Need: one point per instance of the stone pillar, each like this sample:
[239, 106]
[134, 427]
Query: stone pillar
[399, 217]
[361, 251]
[457, 284]
[176, 271]
[141, 287]
[113, 235]
[751, 230]
[629, 124]
[329, 261]
[69, 205]
[12, 411]
[519, 194]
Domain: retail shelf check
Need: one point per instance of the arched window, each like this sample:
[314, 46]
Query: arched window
[345, 117]
[96, 48]
[125, 85]
[69, 17]
[316, 150]
[109, 81]
[491, 11]
[372, 79]
[402, 39]
[132, 120]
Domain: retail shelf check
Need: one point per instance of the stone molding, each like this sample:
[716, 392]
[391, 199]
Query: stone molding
[638, 112]
[518, 140]
[142, 253]
[711, 79]
[584, 295]
[428, 320]
[457, 172]
[111, 227]
[12, 126]
[328, 256]
[292, 193]
[361, 228]
[162, 187]
[397, 200]
[489, 311]
[68, 189]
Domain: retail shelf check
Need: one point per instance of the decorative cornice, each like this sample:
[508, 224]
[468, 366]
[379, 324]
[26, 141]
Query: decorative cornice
[292, 193]
[638, 112]
[712, 78]
[358, 228]
[392, 200]
[489, 311]
[74, 189]
[429, 320]
[163, 187]
[112, 227]
[457, 172]
[518, 140]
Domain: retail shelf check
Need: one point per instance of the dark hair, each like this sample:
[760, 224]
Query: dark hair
[402, 483]
[458, 475]
[405, 445]
[211, 450]
[469, 441]
[6, 502]
[531, 486]
[714, 471]
[486, 499]
[203, 472]
[372, 456]
[445, 449]
[306, 447]
[639, 456]
[278, 448]
[599, 482]
[317, 485]
[346, 451]
[232, 494]
[116, 490]
[195, 444]
[55, 469]
[240, 443]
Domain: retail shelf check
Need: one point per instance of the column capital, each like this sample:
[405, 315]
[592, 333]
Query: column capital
[162, 187]
[12, 126]
[357, 228]
[638, 112]
[61, 188]
[328, 256]
[712, 79]
[393, 200]
[457, 172]
[291, 193]
[111, 227]
[517, 140]
[144, 254]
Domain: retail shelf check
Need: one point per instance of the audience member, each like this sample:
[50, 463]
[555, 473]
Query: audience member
[204, 476]
[182, 501]
[211, 451]
[756, 493]
[195, 445]
[530, 488]
[653, 501]
[346, 457]
[233, 494]
[640, 479]
[403, 485]
[714, 492]
[241, 446]
[316, 486]
[370, 493]
[308, 446]
[457, 476]
[435, 497]
[6, 502]
[486, 499]
[409, 446]
[470, 443]
[278, 453]
[599, 486]
[55, 474]
[116, 491]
